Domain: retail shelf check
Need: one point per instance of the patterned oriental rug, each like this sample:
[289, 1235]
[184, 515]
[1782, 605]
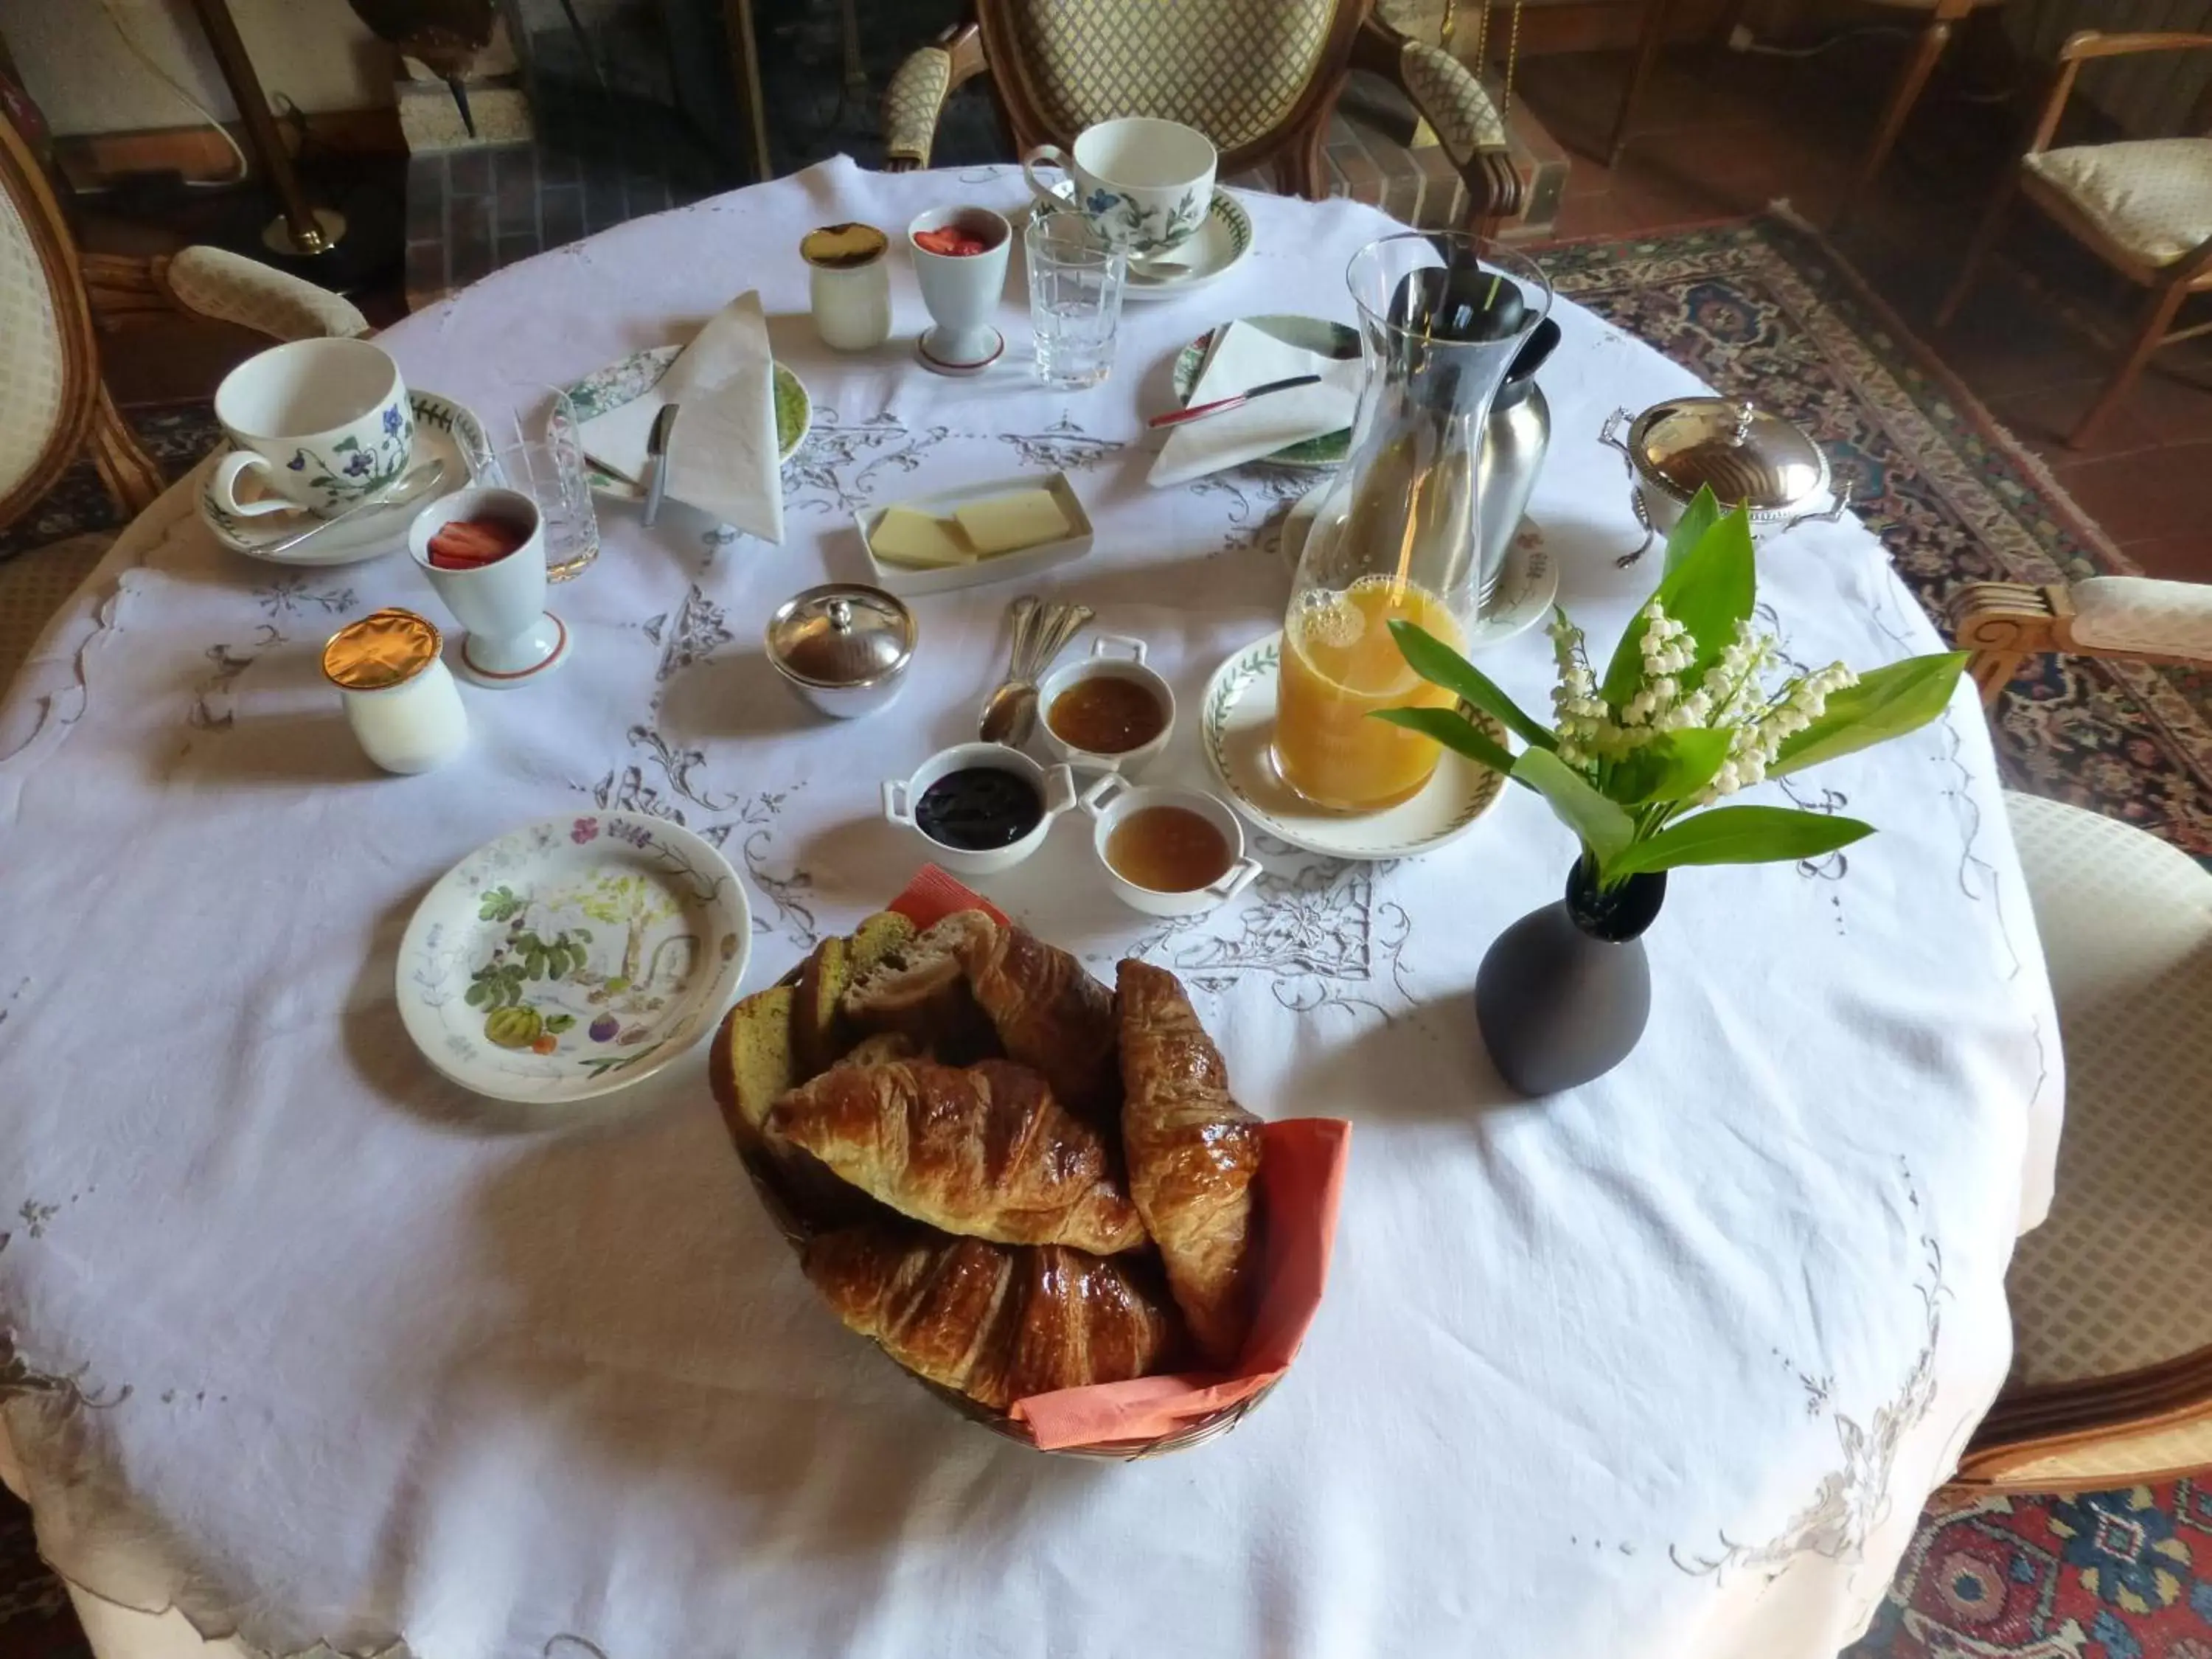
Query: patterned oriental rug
[1764, 310]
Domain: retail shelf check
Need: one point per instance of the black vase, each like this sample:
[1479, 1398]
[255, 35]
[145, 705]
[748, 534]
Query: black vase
[1563, 994]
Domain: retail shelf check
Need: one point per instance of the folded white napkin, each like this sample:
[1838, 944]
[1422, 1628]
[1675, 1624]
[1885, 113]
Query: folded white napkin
[722, 454]
[1243, 357]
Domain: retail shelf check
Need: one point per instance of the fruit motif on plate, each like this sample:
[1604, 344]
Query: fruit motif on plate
[585, 967]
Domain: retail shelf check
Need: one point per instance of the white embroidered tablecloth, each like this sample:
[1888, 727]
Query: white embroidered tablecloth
[1662, 1367]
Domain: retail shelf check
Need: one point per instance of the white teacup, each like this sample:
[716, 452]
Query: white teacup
[511, 636]
[320, 424]
[1146, 185]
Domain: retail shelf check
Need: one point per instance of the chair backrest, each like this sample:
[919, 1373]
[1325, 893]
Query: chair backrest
[49, 367]
[1247, 73]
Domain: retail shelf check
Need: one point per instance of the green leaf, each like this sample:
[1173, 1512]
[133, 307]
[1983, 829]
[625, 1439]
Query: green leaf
[1709, 590]
[1439, 665]
[1738, 835]
[1703, 513]
[344, 444]
[478, 994]
[1603, 827]
[584, 934]
[1673, 766]
[618, 982]
[1453, 731]
[1885, 703]
[557, 1023]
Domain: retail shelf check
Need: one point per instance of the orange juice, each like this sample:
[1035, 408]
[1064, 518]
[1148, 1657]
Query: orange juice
[1339, 664]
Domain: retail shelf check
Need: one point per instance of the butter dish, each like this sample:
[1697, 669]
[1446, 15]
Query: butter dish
[972, 568]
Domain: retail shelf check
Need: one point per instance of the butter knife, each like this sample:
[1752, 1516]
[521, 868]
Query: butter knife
[656, 461]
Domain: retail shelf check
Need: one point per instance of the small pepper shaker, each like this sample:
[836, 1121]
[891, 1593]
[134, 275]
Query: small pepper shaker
[400, 699]
[849, 285]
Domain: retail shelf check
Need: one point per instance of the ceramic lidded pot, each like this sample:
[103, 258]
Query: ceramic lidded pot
[1748, 456]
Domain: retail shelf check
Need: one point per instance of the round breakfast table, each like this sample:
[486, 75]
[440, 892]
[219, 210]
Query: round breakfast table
[310, 1345]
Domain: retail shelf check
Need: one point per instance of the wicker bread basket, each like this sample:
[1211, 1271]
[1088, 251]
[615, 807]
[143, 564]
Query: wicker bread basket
[768, 1183]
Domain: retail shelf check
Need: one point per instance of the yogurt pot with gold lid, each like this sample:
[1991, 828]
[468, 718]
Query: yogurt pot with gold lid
[400, 699]
[849, 285]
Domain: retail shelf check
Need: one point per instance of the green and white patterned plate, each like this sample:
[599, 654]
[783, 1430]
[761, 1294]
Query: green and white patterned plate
[1312, 334]
[1218, 246]
[1237, 728]
[572, 956]
[638, 374]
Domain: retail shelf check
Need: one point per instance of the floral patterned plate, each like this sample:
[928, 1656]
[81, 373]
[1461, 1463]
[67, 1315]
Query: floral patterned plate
[1236, 729]
[444, 430]
[638, 373]
[572, 956]
[1314, 334]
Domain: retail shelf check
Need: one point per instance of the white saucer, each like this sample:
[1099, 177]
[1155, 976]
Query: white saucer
[1236, 728]
[444, 430]
[1217, 247]
[1526, 587]
[572, 956]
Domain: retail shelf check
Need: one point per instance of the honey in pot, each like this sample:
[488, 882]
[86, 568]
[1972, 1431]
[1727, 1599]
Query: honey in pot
[1169, 849]
[1106, 715]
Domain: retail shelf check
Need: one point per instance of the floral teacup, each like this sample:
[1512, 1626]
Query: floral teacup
[1146, 185]
[320, 424]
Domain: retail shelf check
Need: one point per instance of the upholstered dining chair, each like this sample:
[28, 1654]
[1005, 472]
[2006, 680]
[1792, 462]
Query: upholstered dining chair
[1260, 78]
[2144, 206]
[2111, 1297]
[54, 407]
[1905, 93]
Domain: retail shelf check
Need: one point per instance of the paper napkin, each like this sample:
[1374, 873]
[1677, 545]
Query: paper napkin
[1243, 357]
[722, 455]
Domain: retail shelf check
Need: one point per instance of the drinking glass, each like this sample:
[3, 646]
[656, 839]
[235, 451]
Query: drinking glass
[1075, 299]
[549, 468]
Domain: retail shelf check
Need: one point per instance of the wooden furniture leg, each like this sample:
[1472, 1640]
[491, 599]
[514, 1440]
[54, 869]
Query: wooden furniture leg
[1910, 85]
[752, 112]
[2158, 317]
[1656, 13]
[1984, 242]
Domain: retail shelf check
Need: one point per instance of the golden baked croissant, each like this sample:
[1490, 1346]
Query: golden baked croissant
[1046, 1011]
[1191, 1153]
[985, 1151]
[996, 1322]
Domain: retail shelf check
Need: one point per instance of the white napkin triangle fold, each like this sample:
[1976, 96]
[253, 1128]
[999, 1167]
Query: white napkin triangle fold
[1243, 357]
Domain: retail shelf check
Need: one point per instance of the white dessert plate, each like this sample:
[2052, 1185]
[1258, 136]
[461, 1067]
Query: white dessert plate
[574, 957]
[1236, 728]
[444, 430]
[1314, 334]
[1526, 587]
[627, 381]
[1028, 561]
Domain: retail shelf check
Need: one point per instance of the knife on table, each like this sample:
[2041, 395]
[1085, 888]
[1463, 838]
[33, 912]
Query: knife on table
[1223, 405]
[656, 461]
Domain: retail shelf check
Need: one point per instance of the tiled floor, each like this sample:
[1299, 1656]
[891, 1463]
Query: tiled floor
[1718, 135]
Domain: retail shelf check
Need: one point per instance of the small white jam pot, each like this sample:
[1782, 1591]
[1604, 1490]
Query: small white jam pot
[1112, 798]
[849, 285]
[1118, 657]
[1054, 787]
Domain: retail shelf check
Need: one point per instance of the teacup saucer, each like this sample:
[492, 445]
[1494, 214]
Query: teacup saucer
[1236, 727]
[1526, 587]
[444, 430]
[1216, 248]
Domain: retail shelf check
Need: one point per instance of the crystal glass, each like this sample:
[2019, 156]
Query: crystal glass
[1075, 299]
[547, 466]
[1442, 317]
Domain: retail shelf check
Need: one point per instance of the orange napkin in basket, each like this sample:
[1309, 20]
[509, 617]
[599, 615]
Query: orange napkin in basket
[1301, 1181]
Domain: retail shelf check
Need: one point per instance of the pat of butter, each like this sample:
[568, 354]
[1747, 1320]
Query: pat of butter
[903, 536]
[1003, 524]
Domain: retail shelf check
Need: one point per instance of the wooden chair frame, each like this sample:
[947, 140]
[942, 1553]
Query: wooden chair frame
[88, 421]
[2169, 284]
[2005, 623]
[985, 45]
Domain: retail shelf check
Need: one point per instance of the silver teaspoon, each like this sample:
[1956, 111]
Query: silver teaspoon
[412, 483]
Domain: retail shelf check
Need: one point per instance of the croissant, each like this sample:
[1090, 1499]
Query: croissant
[997, 1323]
[1193, 1152]
[987, 1152]
[1046, 1011]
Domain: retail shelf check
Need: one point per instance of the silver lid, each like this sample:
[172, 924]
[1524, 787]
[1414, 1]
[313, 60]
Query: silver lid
[1749, 456]
[842, 634]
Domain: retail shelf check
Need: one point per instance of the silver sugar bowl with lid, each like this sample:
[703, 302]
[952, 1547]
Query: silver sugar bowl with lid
[844, 647]
[1749, 456]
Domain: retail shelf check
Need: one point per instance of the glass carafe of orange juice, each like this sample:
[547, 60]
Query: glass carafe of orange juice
[1442, 317]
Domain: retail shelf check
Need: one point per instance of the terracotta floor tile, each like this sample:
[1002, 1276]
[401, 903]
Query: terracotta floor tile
[2043, 416]
[2147, 496]
[2176, 558]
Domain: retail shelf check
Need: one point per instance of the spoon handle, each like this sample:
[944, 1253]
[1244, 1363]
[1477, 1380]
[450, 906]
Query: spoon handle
[1023, 614]
[1062, 622]
[402, 491]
